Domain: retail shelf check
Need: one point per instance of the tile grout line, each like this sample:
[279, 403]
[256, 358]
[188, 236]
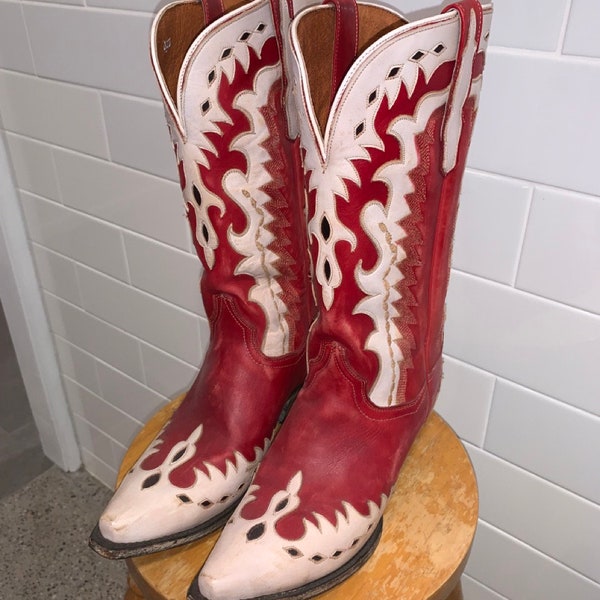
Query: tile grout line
[531, 295]
[80, 153]
[98, 459]
[489, 414]
[584, 413]
[137, 421]
[483, 585]
[101, 431]
[149, 295]
[81, 86]
[563, 30]
[540, 553]
[104, 127]
[35, 69]
[531, 182]
[521, 242]
[120, 330]
[525, 471]
[102, 221]
[86, 6]
[551, 55]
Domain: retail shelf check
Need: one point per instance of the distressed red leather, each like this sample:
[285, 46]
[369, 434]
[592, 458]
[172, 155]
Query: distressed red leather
[242, 186]
[383, 180]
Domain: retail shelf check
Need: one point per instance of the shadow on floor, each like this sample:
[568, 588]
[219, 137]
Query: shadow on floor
[43, 550]
[21, 456]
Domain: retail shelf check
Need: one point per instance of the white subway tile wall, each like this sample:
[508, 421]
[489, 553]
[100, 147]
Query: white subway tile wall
[132, 199]
[517, 571]
[92, 160]
[14, 46]
[137, 136]
[536, 28]
[33, 166]
[71, 233]
[563, 227]
[56, 273]
[582, 34]
[96, 48]
[503, 204]
[53, 111]
[179, 272]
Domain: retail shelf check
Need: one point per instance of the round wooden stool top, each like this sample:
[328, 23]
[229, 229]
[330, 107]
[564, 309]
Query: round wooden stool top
[428, 530]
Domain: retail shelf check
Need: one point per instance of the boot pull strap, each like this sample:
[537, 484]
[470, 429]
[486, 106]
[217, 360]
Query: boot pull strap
[345, 44]
[471, 24]
[213, 9]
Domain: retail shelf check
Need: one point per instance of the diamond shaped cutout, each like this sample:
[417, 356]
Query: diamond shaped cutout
[197, 196]
[393, 72]
[325, 228]
[327, 270]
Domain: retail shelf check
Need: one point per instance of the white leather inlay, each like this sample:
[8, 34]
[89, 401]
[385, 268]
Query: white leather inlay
[381, 224]
[268, 563]
[190, 156]
[137, 513]
[222, 52]
[253, 243]
[392, 62]
[453, 121]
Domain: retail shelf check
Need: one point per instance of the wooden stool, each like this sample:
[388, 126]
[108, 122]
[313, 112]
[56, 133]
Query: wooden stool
[429, 525]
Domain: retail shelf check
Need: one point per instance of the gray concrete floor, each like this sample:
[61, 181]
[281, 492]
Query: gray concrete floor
[44, 529]
[46, 515]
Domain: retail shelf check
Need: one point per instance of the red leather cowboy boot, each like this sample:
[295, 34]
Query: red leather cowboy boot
[385, 138]
[220, 74]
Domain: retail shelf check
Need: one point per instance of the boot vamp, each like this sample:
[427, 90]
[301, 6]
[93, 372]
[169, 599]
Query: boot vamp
[320, 491]
[202, 461]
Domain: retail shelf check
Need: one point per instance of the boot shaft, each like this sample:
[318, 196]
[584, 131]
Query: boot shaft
[221, 83]
[384, 155]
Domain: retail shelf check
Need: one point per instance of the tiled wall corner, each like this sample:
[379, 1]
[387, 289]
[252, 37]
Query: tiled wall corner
[98, 185]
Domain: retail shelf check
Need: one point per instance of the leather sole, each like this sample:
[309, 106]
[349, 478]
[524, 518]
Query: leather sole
[310, 590]
[113, 550]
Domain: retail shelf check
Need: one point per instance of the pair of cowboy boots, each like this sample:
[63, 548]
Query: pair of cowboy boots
[334, 138]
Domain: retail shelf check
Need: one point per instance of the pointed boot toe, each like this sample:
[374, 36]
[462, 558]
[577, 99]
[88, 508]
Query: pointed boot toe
[253, 559]
[385, 141]
[260, 578]
[153, 510]
[219, 71]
